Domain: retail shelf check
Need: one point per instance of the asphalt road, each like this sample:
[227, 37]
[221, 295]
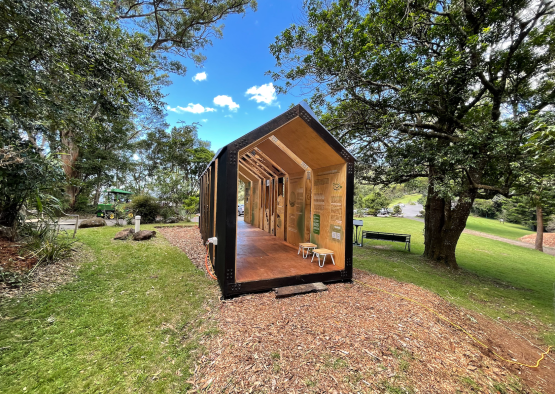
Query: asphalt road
[69, 224]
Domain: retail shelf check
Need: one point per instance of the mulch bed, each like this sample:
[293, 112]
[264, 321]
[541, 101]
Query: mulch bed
[43, 278]
[356, 339]
[548, 239]
[187, 239]
[12, 258]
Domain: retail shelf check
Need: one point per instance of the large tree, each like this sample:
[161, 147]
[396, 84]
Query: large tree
[537, 181]
[169, 164]
[72, 77]
[436, 89]
[179, 27]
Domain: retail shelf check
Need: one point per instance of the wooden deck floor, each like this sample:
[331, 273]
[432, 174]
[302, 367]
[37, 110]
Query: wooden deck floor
[263, 256]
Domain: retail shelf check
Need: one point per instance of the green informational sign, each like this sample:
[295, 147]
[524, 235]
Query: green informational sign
[316, 224]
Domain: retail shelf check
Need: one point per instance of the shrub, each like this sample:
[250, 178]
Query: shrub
[167, 212]
[146, 207]
[397, 210]
[12, 279]
[190, 206]
[46, 244]
[374, 202]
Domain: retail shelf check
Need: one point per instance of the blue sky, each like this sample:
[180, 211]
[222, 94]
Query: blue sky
[235, 65]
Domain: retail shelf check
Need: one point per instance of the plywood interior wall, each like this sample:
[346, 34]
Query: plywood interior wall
[281, 209]
[297, 188]
[296, 208]
[328, 210]
[253, 198]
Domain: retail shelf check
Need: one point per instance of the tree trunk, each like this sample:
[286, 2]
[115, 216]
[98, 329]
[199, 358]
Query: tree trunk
[444, 225]
[69, 159]
[97, 194]
[539, 230]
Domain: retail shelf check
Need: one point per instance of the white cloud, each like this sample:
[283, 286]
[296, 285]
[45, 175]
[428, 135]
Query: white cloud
[263, 94]
[261, 107]
[200, 77]
[226, 101]
[204, 120]
[192, 108]
[228, 116]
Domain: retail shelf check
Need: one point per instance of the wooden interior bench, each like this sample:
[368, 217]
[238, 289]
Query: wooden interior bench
[386, 237]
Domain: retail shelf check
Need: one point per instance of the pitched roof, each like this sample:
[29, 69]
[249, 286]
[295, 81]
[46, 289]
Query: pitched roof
[301, 110]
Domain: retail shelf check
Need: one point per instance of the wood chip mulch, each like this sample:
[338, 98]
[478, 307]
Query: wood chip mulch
[548, 239]
[187, 239]
[47, 277]
[354, 339]
[13, 258]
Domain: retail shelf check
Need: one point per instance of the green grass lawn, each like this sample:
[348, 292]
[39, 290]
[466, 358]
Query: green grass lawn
[130, 322]
[494, 227]
[496, 278]
[406, 199]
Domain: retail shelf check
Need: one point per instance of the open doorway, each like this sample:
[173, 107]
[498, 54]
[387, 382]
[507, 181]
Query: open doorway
[296, 182]
[295, 196]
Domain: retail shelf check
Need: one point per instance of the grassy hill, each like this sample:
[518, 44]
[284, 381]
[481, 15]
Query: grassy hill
[493, 226]
[496, 278]
[406, 199]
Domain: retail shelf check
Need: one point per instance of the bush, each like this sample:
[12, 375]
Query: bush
[484, 208]
[551, 226]
[167, 212]
[190, 206]
[146, 207]
[12, 279]
[44, 242]
[397, 210]
[374, 202]
[82, 203]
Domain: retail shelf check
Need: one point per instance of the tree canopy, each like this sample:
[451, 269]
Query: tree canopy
[443, 89]
[180, 27]
[82, 80]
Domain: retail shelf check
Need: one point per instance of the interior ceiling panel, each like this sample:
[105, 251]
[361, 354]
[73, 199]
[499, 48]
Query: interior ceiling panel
[304, 142]
[279, 157]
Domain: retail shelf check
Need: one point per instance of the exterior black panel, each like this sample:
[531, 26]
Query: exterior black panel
[231, 217]
[265, 285]
[221, 215]
[348, 273]
[211, 249]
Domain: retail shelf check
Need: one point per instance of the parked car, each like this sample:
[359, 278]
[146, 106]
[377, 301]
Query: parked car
[241, 210]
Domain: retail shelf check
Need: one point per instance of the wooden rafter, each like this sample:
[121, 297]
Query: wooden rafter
[247, 169]
[266, 158]
[249, 160]
[288, 152]
[258, 161]
[252, 168]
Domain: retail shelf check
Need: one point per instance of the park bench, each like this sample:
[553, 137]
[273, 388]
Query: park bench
[405, 238]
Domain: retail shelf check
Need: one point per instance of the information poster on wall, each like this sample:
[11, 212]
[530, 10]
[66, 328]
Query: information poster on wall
[336, 233]
[316, 224]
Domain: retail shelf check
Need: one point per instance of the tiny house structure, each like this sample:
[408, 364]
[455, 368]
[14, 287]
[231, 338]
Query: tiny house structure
[298, 185]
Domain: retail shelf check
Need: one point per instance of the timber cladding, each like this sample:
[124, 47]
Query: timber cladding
[298, 182]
